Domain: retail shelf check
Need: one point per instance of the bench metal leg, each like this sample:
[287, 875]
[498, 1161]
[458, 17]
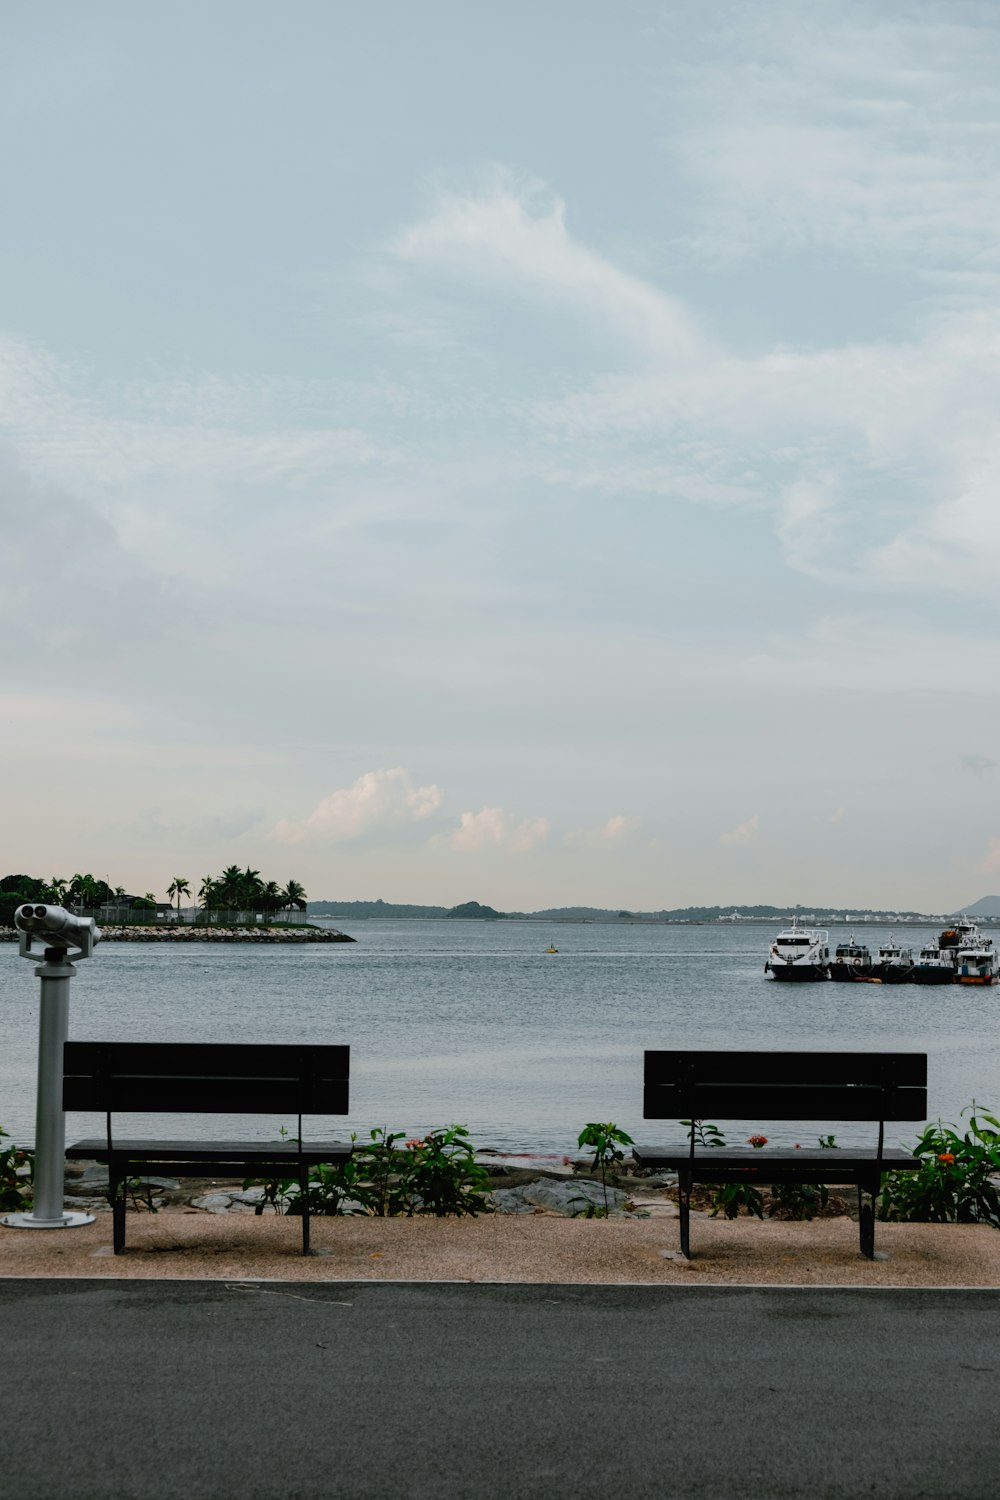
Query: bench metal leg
[684, 1198]
[866, 1219]
[117, 1196]
[304, 1188]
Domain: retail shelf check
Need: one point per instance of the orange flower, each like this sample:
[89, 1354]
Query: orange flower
[947, 1157]
[414, 1144]
[756, 1141]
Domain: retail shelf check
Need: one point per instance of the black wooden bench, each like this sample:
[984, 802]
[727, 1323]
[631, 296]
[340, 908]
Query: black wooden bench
[765, 1086]
[205, 1078]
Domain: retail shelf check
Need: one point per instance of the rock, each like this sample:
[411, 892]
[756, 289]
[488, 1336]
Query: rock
[561, 1197]
[251, 1196]
[214, 1203]
[565, 1197]
[510, 1201]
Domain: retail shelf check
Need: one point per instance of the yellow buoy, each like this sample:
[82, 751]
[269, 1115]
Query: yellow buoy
[551, 949]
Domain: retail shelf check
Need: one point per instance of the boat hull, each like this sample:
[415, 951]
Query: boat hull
[933, 976]
[850, 973]
[797, 973]
[893, 973]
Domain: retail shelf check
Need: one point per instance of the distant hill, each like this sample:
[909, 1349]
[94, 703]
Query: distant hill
[989, 906]
[986, 906]
[373, 909]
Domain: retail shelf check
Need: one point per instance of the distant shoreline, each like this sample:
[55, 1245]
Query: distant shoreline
[246, 936]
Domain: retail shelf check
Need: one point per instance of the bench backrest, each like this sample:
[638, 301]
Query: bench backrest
[206, 1078]
[785, 1086]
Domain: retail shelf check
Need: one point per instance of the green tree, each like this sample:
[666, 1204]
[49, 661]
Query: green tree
[83, 892]
[294, 895]
[178, 887]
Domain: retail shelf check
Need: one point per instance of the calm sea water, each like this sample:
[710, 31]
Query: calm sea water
[473, 1022]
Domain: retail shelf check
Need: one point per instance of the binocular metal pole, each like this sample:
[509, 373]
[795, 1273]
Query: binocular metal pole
[55, 973]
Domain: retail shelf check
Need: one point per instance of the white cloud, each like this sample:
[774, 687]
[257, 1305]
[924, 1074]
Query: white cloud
[378, 799]
[863, 132]
[502, 233]
[745, 833]
[614, 831]
[202, 430]
[492, 828]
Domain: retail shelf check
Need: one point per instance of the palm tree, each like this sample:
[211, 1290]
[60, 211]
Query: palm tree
[270, 897]
[294, 895]
[207, 891]
[228, 889]
[252, 888]
[83, 891]
[178, 887]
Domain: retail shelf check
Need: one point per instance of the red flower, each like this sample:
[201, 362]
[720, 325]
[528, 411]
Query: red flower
[947, 1157]
[756, 1141]
[414, 1144]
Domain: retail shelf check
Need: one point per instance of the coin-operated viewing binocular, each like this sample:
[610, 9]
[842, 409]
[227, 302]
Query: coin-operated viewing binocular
[56, 927]
[64, 937]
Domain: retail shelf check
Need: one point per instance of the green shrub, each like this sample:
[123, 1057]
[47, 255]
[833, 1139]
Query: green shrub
[952, 1185]
[434, 1174]
[15, 1176]
[606, 1140]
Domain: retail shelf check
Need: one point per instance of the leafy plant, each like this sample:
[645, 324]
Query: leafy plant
[606, 1141]
[732, 1196]
[704, 1133]
[434, 1174]
[444, 1176]
[15, 1175]
[140, 1193]
[797, 1200]
[952, 1184]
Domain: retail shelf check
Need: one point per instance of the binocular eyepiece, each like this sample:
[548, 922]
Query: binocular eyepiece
[59, 927]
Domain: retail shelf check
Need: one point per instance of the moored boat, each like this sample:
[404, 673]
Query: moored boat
[961, 932]
[799, 953]
[977, 963]
[894, 964]
[934, 966]
[851, 960]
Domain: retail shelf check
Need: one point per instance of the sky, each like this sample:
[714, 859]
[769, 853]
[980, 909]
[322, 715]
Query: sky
[535, 454]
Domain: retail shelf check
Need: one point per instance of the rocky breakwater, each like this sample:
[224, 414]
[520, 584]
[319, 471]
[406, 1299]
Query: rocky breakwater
[199, 933]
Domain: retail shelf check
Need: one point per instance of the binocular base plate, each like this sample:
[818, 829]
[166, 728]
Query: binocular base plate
[28, 1221]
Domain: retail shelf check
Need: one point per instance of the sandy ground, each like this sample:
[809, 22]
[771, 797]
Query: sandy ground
[508, 1248]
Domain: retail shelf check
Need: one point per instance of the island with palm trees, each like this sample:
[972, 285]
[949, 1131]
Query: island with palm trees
[237, 905]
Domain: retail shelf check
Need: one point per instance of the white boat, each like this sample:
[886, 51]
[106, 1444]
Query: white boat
[799, 953]
[962, 932]
[934, 966]
[977, 962]
[894, 963]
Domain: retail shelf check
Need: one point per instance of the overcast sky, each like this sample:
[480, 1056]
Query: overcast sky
[534, 453]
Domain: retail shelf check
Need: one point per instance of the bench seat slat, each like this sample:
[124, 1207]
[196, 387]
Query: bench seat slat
[96, 1149]
[680, 1156]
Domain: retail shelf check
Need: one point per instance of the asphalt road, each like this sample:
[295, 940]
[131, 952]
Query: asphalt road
[294, 1390]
